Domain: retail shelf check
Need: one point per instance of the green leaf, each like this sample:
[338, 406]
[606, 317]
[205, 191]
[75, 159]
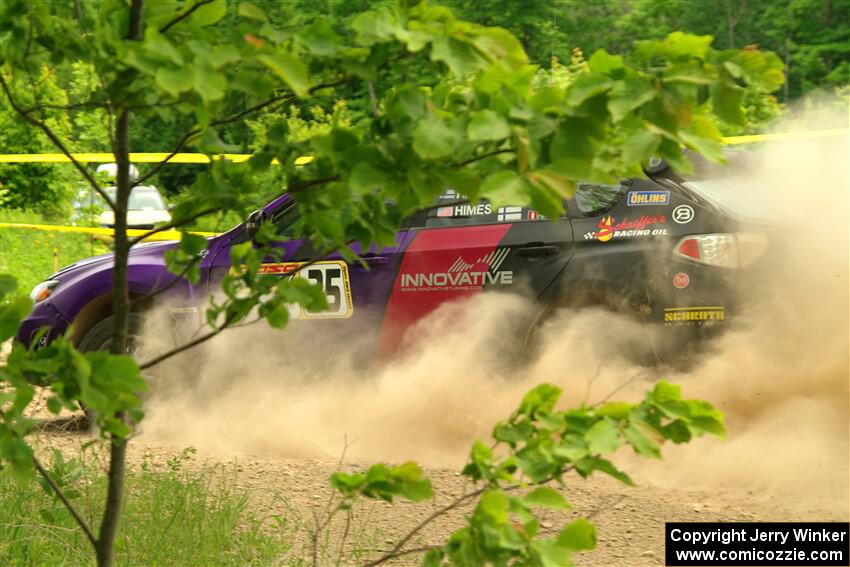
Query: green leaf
[680, 45]
[366, 178]
[208, 14]
[252, 12]
[587, 465]
[175, 81]
[641, 443]
[11, 314]
[546, 497]
[433, 138]
[704, 137]
[209, 83]
[579, 535]
[277, 317]
[487, 125]
[160, 45]
[639, 146]
[763, 70]
[629, 94]
[290, 70]
[374, 27]
[493, 505]
[461, 57]
[727, 101]
[690, 73]
[540, 400]
[554, 181]
[616, 410]
[587, 85]
[603, 62]
[603, 437]
[433, 558]
[321, 39]
[504, 188]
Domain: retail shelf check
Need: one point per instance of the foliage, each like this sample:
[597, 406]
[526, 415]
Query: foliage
[47, 188]
[530, 451]
[29, 254]
[216, 525]
[470, 117]
[812, 36]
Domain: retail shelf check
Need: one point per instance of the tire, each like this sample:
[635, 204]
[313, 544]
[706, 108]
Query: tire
[99, 337]
[642, 353]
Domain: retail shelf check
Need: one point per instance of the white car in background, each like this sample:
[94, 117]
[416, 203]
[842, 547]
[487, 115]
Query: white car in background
[145, 209]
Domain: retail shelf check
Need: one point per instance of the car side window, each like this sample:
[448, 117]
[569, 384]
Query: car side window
[286, 219]
[452, 209]
[594, 198]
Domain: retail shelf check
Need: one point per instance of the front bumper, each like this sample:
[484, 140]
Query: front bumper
[43, 315]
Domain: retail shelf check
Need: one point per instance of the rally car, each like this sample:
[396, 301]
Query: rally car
[659, 248]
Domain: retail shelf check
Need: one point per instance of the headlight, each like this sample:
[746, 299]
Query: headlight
[43, 290]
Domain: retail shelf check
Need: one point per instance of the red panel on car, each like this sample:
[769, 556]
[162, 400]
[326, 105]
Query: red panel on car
[439, 265]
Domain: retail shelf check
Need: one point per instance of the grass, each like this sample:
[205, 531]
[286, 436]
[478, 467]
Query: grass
[170, 517]
[32, 255]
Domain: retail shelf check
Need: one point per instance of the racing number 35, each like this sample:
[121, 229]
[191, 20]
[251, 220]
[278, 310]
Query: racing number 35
[330, 275]
[333, 278]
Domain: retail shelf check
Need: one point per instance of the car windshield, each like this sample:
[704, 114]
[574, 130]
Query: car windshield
[141, 198]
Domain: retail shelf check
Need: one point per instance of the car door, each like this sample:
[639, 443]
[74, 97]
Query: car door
[461, 249]
[356, 292]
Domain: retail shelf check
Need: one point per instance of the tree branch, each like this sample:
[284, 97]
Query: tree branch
[184, 347]
[233, 118]
[67, 503]
[67, 107]
[183, 16]
[171, 225]
[304, 185]
[484, 156]
[61, 495]
[436, 514]
[56, 141]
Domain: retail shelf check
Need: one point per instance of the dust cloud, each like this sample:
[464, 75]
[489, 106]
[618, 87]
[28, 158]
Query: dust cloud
[780, 373]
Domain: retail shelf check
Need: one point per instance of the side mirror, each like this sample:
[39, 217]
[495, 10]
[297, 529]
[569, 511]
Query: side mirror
[253, 222]
[656, 165]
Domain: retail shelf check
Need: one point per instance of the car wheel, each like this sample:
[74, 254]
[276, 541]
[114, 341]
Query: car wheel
[99, 337]
[641, 351]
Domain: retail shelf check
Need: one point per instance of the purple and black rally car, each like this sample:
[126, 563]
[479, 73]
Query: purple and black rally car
[663, 248]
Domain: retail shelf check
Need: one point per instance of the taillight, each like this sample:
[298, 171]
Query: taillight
[732, 250]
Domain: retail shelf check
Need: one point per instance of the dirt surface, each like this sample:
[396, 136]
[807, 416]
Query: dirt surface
[630, 520]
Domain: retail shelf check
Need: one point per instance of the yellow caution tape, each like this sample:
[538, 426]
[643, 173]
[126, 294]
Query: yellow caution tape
[164, 235]
[134, 157]
[303, 160]
[802, 135]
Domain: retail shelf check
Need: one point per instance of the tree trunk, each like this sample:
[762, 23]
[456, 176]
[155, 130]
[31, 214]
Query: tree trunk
[105, 551]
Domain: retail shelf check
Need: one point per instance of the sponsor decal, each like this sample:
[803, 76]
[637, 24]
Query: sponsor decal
[462, 275]
[683, 214]
[330, 275]
[509, 214]
[465, 210]
[640, 198]
[681, 280]
[676, 316]
[610, 228]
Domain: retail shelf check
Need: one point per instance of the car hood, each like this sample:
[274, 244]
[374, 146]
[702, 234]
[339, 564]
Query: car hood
[144, 252]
